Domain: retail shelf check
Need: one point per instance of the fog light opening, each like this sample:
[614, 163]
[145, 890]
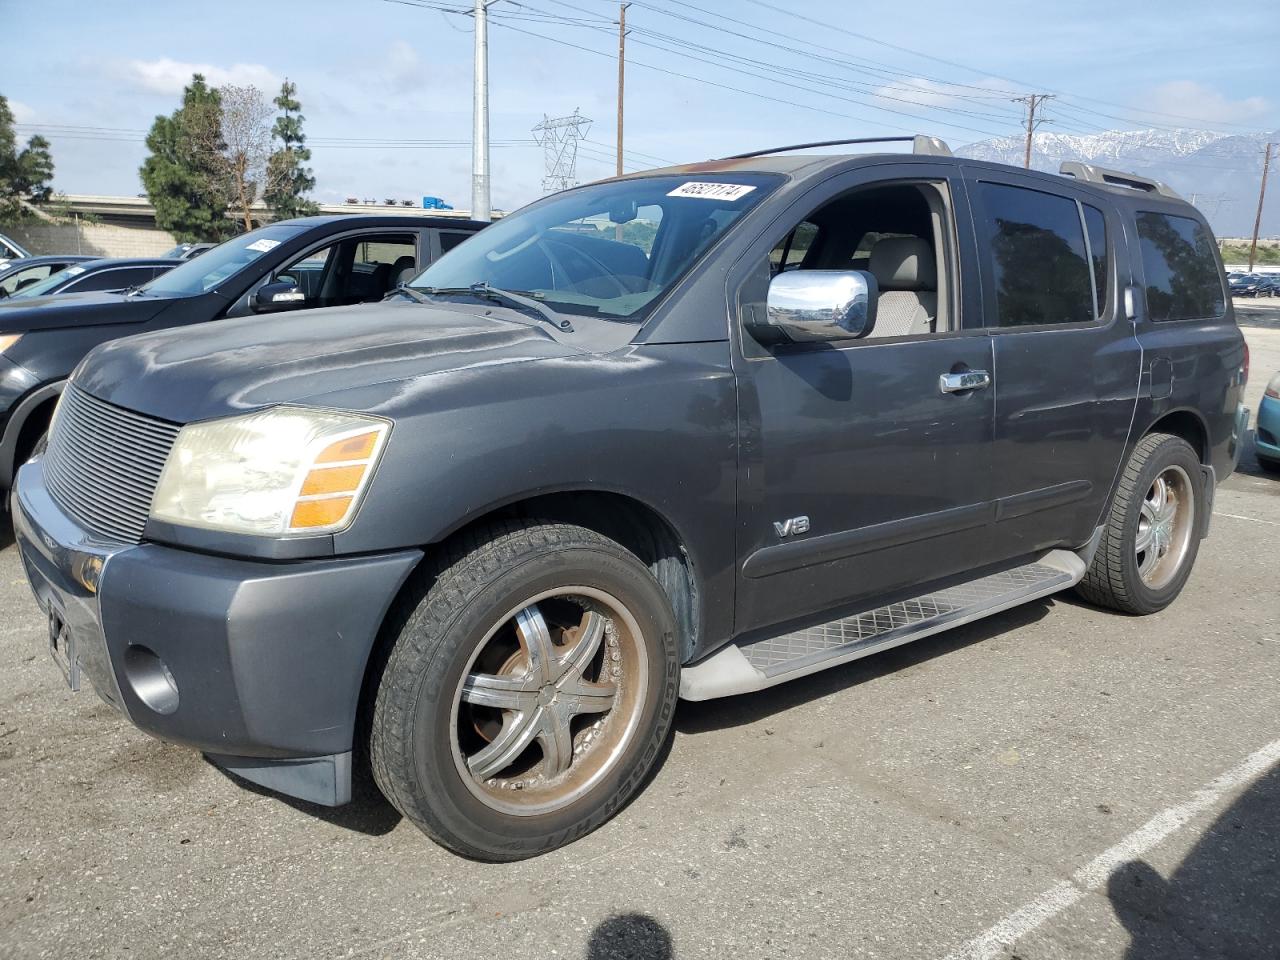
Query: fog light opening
[150, 679]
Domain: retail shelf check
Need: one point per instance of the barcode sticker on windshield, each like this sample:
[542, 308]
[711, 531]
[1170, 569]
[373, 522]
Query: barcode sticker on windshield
[264, 245]
[712, 191]
[75, 271]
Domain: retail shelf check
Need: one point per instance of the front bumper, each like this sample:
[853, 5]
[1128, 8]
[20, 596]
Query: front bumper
[1267, 434]
[259, 665]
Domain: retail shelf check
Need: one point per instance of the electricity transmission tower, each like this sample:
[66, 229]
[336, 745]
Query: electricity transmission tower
[559, 138]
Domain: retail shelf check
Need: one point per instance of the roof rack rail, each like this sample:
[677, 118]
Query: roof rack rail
[1116, 178]
[927, 146]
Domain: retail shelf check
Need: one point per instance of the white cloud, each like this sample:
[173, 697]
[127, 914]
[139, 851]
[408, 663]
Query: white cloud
[21, 112]
[1186, 98]
[168, 76]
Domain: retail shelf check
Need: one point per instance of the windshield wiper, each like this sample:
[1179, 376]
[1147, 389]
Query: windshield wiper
[488, 291]
[410, 292]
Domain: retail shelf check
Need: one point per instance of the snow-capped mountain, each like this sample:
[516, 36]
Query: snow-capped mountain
[1220, 172]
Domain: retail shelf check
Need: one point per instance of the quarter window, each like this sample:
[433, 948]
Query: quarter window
[1096, 226]
[1036, 254]
[1183, 282]
[790, 253]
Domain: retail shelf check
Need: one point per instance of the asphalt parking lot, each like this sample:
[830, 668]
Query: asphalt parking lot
[1056, 781]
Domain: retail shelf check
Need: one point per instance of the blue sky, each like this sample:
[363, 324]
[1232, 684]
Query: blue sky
[371, 69]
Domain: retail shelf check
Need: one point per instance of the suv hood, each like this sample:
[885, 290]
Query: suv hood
[233, 366]
[75, 310]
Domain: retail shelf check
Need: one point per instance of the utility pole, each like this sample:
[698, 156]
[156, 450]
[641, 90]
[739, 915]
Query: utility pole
[1033, 101]
[622, 85]
[480, 117]
[622, 73]
[1262, 195]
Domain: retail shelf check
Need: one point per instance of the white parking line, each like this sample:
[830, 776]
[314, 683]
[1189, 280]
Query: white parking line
[1236, 516]
[1093, 875]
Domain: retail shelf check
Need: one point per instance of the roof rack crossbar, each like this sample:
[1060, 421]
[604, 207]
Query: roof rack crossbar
[927, 146]
[1116, 178]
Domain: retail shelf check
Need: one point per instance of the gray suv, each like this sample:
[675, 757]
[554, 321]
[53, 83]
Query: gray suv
[688, 433]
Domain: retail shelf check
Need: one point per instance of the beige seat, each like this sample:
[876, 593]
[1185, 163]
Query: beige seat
[905, 270]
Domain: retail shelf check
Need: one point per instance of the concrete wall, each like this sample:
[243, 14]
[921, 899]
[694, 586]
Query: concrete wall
[96, 239]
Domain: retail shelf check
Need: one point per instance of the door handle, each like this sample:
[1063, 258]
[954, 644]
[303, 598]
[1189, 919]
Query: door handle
[964, 380]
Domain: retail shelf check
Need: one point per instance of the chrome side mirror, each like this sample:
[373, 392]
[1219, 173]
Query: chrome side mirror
[808, 305]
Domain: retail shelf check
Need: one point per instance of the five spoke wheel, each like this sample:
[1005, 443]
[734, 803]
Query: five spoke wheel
[548, 700]
[1165, 524]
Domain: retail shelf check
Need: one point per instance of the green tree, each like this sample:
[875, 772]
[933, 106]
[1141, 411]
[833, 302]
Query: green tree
[185, 174]
[288, 177]
[24, 174]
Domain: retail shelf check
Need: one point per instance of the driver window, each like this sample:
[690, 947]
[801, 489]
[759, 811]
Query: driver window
[308, 272]
[897, 232]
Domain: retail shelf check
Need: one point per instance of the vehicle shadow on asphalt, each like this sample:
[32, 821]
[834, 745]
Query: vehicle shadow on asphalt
[708, 715]
[630, 936]
[6, 530]
[1223, 900]
[369, 812]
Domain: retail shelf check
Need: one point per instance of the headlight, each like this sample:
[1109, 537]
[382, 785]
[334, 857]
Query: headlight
[278, 472]
[7, 340]
[1273, 388]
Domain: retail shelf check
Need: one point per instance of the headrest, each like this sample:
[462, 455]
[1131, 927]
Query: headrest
[404, 269]
[904, 263]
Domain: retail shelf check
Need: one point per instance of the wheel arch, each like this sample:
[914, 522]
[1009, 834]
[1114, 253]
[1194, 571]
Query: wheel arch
[28, 421]
[636, 525]
[1187, 424]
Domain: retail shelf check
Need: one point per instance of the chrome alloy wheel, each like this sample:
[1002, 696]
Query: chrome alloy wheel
[550, 701]
[1166, 525]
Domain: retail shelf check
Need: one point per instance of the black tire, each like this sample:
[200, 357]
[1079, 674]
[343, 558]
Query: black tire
[438, 631]
[1113, 579]
[1269, 465]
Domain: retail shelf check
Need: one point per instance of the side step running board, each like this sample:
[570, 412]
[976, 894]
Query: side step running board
[764, 663]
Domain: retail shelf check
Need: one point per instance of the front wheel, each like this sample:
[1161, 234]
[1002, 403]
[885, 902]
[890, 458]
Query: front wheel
[528, 692]
[1152, 530]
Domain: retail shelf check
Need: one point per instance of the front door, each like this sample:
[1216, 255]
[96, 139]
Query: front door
[859, 476]
[1067, 361]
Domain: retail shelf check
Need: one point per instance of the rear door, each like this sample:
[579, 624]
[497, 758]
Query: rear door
[858, 475]
[1067, 360]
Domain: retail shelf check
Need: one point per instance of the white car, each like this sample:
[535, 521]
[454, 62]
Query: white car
[10, 250]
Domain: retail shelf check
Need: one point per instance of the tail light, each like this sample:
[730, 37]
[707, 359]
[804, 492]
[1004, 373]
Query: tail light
[1244, 367]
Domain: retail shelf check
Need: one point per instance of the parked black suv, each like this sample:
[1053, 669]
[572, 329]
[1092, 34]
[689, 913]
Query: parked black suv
[693, 432]
[311, 262]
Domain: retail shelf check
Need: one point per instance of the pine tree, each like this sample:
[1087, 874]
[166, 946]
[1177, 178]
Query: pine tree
[184, 175]
[288, 177]
[24, 174]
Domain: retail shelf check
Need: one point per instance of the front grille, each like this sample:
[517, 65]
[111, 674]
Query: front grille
[103, 464]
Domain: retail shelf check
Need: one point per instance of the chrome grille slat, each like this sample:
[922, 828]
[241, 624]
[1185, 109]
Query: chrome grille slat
[103, 464]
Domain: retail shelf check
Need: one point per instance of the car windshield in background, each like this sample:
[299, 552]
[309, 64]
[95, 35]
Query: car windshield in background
[49, 283]
[608, 250]
[225, 260]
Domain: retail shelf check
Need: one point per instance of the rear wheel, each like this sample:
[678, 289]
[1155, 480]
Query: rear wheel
[1152, 531]
[528, 692]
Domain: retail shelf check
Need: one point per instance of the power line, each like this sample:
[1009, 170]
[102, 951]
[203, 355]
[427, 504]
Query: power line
[962, 66]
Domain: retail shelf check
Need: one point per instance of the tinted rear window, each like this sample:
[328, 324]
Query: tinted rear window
[1035, 243]
[1183, 282]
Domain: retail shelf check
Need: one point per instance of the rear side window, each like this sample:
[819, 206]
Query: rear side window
[112, 279]
[1036, 254]
[1178, 260]
[1096, 226]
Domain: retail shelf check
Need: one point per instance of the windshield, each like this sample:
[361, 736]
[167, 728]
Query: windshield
[49, 283]
[608, 250]
[214, 266]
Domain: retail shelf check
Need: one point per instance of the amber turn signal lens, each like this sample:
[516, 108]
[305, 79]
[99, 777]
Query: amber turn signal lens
[359, 447]
[332, 480]
[319, 513]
